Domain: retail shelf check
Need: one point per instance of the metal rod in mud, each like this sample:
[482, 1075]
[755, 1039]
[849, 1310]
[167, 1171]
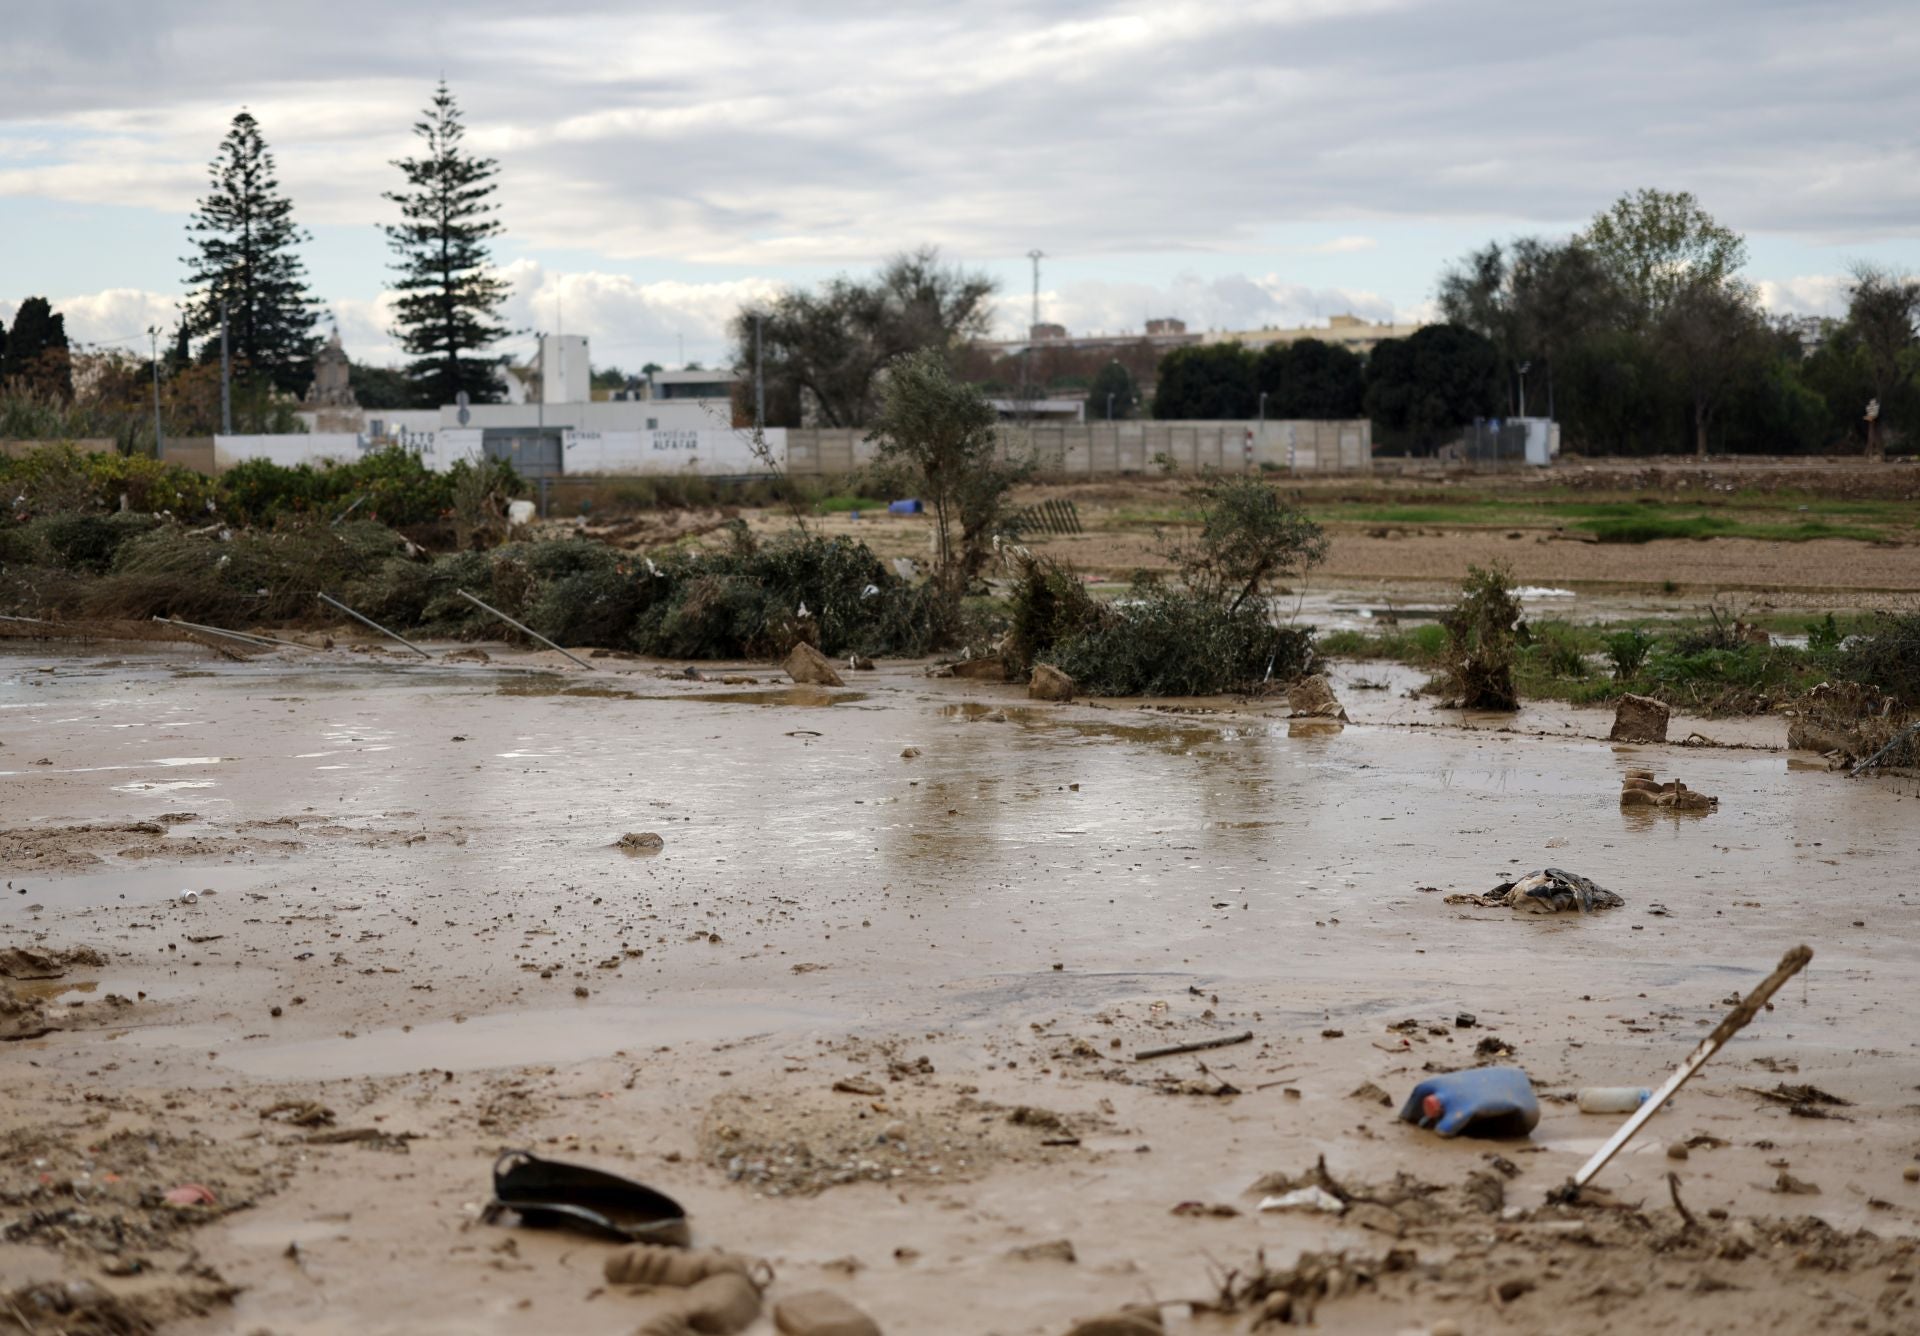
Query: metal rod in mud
[1730, 1025]
[528, 629]
[350, 509]
[375, 625]
[1196, 1046]
[247, 636]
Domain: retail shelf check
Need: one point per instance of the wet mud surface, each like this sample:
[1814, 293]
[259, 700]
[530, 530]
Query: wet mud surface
[872, 1016]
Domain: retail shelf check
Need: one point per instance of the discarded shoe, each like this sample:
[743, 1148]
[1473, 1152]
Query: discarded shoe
[548, 1192]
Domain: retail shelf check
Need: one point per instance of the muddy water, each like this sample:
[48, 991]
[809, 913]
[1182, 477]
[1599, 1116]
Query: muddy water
[458, 823]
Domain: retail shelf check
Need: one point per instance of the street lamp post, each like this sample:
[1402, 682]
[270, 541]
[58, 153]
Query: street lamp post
[159, 433]
[1263, 412]
[1523, 387]
[1109, 405]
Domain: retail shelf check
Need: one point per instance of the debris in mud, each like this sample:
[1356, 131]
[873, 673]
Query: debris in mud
[1290, 1297]
[1549, 891]
[22, 1017]
[1641, 789]
[1304, 1199]
[1788, 1184]
[858, 1085]
[1312, 698]
[1053, 1250]
[299, 1113]
[640, 843]
[25, 962]
[1639, 719]
[821, 1313]
[82, 1308]
[1372, 1094]
[908, 753]
[808, 667]
[1803, 1101]
[801, 1144]
[1482, 1101]
[990, 669]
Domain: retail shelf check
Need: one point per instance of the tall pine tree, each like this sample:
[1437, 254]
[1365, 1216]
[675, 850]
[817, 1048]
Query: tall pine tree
[450, 297]
[245, 235]
[37, 358]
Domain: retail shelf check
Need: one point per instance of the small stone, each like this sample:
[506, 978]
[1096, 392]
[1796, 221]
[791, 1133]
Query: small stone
[821, 1313]
[640, 842]
[1911, 1173]
[274, 1012]
[1639, 719]
[1049, 683]
[1677, 1150]
[1446, 1326]
[1466, 1020]
[580, 990]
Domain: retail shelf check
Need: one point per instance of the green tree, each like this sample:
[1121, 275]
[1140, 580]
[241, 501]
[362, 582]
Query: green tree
[942, 433]
[1206, 381]
[824, 351]
[1312, 379]
[1111, 394]
[1881, 308]
[1250, 537]
[1429, 385]
[1712, 331]
[380, 386]
[448, 312]
[244, 239]
[1657, 244]
[37, 359]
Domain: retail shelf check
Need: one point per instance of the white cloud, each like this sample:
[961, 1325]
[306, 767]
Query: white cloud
[1808, 294]
[116, 317]
[1344, 246]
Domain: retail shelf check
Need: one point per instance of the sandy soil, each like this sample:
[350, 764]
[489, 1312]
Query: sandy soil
[871, 1017]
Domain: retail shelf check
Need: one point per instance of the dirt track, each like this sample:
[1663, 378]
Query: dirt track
[413, 865]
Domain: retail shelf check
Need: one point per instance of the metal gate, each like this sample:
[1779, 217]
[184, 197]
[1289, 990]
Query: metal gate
[534, 452]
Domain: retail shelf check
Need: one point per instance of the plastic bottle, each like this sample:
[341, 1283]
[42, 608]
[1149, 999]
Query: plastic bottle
[1486, 1101]
[1613, 1099]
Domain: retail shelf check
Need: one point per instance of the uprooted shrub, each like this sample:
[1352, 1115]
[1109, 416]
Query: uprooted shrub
[1485, 631]
[1163, 641]
[1049, 604]
[1888, 657]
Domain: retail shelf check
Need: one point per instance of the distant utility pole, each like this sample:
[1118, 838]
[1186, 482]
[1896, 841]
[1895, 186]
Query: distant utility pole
[226, 376]
[1036, 256]
[759, 378]
[159, 434]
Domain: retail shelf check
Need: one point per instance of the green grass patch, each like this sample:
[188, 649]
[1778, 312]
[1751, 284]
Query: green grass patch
[839, 505]
[1422, 645]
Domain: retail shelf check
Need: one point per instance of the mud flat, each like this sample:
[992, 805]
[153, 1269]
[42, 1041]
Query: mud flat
[872, 1016]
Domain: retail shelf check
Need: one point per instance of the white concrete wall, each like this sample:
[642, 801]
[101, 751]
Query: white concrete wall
[311, 448]
[609, 415]
[726, 453]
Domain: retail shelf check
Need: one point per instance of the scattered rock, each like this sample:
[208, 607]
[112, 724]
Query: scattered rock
[1054, 1250]
[821, 1313]
[860, 663]
[908, 753]
[1133, 1320]
[641, 843]
[1312, 698]
[993, 668]
[1798, 1187]
[858, 1085]
[1639, 719]
[809, 667]
[1677, 1150]
[471, 654]
[1371, 1093]
[1049, 683]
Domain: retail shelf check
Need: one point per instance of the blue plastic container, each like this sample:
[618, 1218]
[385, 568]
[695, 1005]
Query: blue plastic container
[904, 508]
[1484, 1102]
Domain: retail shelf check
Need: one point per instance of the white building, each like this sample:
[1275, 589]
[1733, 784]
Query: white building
[671, 422]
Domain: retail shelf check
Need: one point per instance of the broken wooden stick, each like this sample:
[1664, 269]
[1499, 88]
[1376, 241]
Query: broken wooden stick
[1730, 1025]
[1196, 1046]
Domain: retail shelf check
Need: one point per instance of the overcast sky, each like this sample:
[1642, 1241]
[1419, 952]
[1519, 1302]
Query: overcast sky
[1234, 164]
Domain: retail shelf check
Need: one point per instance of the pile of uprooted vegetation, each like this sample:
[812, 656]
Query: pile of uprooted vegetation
[750, 599]
[1211, 632]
